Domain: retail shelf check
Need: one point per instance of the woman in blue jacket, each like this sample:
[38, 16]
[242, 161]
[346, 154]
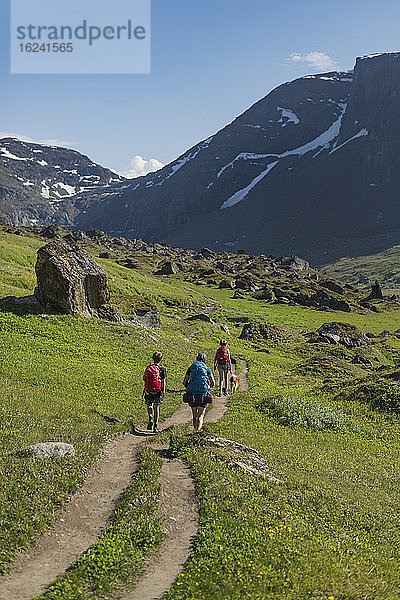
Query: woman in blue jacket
[198, 382]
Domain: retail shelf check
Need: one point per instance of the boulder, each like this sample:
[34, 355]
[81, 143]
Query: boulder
[260, 331]
[295, 263]
[324, 300]
[149, 318]
[69, 280]
[265, 294]
[332, 286]
[206, 252]
[21, 305]
[201, 317]
[168, 268]
[51, 449]
[53, 231]
[342, 333]
[376, 292]
[227, 284]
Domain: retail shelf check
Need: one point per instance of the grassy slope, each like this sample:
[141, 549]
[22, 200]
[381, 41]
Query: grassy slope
[329, 531]
[383, 266]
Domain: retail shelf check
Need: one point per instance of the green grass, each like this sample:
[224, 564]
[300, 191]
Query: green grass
[329, 530]
[383, 266]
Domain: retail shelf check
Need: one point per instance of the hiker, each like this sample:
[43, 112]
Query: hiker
[154, 390]
[198, 383]
[222, 361]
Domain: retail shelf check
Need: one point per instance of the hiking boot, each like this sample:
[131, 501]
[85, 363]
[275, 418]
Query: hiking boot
[150, 425]
[156, 430]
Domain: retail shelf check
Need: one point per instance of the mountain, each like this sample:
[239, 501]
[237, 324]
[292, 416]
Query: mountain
[37, 181]
[312, 168]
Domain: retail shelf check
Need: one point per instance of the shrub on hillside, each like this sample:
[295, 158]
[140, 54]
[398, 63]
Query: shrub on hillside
[294, 411]
[379, 395]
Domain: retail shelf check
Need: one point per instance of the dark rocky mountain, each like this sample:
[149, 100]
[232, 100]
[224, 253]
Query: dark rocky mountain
[312, 169]
[37, 182]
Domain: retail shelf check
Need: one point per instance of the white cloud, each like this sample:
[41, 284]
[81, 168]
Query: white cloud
[139, 166]
[316, 60]
[24, 138]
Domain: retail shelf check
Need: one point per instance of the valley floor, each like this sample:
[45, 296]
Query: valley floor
[320, 521]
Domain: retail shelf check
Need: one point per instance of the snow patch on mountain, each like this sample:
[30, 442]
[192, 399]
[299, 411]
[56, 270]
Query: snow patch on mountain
[241, 194]
[6, 154]
[289, 115]
[323, 141]
[361, 133]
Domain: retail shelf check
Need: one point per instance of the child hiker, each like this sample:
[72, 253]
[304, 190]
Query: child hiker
[222, 361]
[154, 390]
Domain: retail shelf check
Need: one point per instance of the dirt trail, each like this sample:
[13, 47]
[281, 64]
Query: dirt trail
[179, 512]
[178, 502]
[81, 521]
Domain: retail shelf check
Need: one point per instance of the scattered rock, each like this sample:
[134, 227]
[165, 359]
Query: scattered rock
[201, 317]
[206, 252]
[376, 292]
[168, 268]
[227, 284]
[104, 255]
[333, 286]
[265, 294]
[51, 449]
[149, 318]
[342, 333]
[294, 262]
[22, 305]
[260, 331]
[324, 300]
[368, 306]
[225, 328]
[53, 231]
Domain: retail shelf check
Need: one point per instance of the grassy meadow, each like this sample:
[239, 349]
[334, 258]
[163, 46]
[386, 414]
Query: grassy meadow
[326, 423]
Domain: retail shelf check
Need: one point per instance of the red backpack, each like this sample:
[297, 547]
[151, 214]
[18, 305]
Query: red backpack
[222, 356]
[152, 379]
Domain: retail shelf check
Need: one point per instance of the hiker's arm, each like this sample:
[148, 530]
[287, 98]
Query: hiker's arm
[211, 379]
[163, 385]
[186, 380]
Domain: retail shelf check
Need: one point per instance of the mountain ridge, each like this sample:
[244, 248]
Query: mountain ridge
[309, 169]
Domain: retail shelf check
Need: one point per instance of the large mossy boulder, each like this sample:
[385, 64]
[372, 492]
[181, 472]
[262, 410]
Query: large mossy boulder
[70, 281]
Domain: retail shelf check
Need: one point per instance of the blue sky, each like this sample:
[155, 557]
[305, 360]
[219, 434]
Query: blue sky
[211, 59]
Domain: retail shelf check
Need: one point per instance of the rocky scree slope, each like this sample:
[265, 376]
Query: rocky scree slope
[281, 280]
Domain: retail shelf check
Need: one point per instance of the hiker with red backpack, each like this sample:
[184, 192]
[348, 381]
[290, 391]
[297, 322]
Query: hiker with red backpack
[198, 383]
[222, 361]
[154, 390]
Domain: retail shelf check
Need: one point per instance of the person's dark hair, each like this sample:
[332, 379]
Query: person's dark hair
[223, 343]
[201, 357]
[157, 357]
